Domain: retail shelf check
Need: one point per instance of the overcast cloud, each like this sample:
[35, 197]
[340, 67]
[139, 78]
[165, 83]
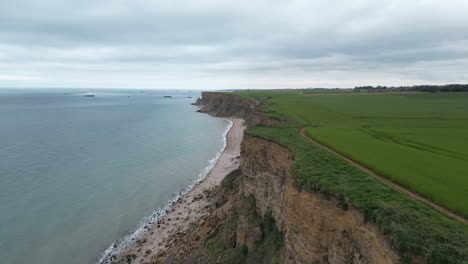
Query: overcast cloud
[232, 44]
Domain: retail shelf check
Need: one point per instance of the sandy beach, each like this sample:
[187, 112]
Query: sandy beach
[189, 208]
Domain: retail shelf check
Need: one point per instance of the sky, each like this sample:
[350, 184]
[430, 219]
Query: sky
[242, 44]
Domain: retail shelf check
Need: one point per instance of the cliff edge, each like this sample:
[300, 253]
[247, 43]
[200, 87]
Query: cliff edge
[227, 105]
[260, 216]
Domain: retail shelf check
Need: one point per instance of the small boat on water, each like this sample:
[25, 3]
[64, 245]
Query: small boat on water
[167, 96]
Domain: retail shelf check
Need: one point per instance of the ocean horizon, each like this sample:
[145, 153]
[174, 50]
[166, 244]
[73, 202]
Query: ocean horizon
[82, 168]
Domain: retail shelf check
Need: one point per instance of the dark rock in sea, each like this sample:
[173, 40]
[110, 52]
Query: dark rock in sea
[88, 95]
[167, 96]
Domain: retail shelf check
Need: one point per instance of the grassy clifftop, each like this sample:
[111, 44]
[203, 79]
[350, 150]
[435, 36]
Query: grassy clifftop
[350, 124]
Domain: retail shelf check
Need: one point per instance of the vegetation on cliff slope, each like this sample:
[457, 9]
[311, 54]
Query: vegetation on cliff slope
[413, 227]
[265, 250]
[222, 247]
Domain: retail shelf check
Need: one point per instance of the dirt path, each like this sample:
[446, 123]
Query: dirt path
[385, 180]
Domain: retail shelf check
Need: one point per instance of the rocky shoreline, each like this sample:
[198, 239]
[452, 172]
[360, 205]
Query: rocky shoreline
[189, 208]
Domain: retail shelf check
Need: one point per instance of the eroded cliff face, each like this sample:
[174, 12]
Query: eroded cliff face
[307, 227]
[226, 105]
[316, 228]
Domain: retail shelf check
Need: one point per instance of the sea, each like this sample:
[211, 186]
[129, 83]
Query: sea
[81, 169]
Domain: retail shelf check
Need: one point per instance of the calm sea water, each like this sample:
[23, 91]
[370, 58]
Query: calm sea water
[77, 173]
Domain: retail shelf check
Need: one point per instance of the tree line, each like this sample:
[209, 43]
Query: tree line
[416, 88]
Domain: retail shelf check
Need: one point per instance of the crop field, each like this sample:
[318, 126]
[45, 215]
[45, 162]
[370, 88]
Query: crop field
[326, 91]
[415, 158]
[417, 140]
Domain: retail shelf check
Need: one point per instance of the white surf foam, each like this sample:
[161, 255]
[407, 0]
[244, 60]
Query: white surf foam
[117, 247]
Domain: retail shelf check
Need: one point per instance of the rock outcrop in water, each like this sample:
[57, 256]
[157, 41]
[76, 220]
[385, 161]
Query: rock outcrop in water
[261, 217]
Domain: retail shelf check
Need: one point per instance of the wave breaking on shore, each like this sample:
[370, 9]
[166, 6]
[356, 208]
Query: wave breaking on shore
[119, 246]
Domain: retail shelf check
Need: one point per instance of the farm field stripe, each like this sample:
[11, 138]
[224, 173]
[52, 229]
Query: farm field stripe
[384, 93]
[384, 179]
[352, 93]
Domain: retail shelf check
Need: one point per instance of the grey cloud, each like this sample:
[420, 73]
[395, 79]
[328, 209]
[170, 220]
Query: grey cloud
[237, 44]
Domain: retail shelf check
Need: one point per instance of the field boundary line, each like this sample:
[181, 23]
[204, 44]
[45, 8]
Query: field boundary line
[354, 93]
[384, 179]
[383, 93]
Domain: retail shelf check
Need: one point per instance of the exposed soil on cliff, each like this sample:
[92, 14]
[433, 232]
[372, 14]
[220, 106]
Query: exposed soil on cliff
[317, 228]
[228, 105]
[258, 214]
[261, 217]
[225, 105]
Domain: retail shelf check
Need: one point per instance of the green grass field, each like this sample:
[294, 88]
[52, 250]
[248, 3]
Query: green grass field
[414, 157]
[418, 140]
[326, 91]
